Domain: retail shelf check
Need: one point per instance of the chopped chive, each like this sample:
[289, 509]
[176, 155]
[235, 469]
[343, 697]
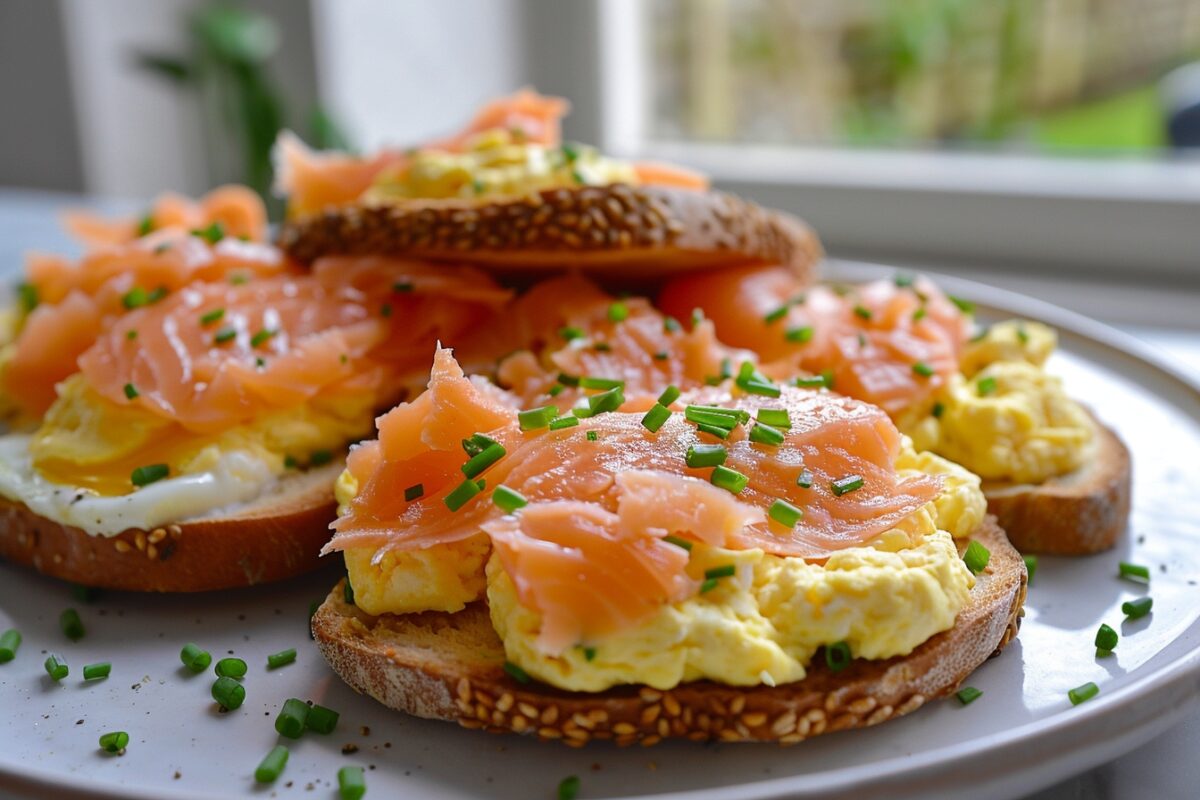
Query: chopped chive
[976, 557]
[655, 417]
[210, 317]
[697, 317]
[568, 380]
[29, 296]
[592, 436]
[706, 455]
[385, 310]
[589, 653]
[1081, 693]
[588, 382]
[1136, 609]
[402, 287]
[290, 722]
[845, 485]
[131, 391]
[708, 585]
[727, 417]
[555, 390]
[461, 494]
[516, 673]
[144, 476]
[566, 421]
[413, 492]
[56, 667]
[938, 409]
[661, 355]
[785, 513]
[669, 395]
[968, 695]
[765, 434]
[922, 369]
[813, 382]
[290, 462]
[321, 719]
[1022, 335]
[131, 334]
[799, 334]
[348, 591]
[903, 280]
[965, 306]
[481, 461]
[761, 387]
[723, 571]
[919, 314]
[476, 443]
[862, 312]
[261, 337]
[714, 430]
[536, 418]
[10, 643]
[838, 656]
[729, 479]
[351, 784]
[1031, 563]
[228, 693]
[145, 225]
[775, 417]
[260, 362]
[775, 315]
[114, 742]
[1106, 639]
[231, 668]
[71, 625]
[1135, 572]
[135, 298]
[224, 335]
[157, 294]
[618, 312]
[271, 767]
[319, 458]
[194, 658]
[985, 386]
[508, 500]
[92, 672]
[675, 540]
[282, 658]
[569, 152]
[671, 325]
[570, 332]
[211, 234]
[238, 279]
[577, 176]
[606, 401]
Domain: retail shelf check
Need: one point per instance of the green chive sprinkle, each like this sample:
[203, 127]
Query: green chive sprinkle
[135, 298]
[84, 594]
[723, 571]
[29, 296]
[321, 719]
[114, 742]
[1135, 572]
[570, 332]
[1106, 640]
[144, 476]
[618, 312]
[1031, 563]
[569, 152]
[228, 693]
[131, 391]
[761, 387]
[838, 656]
[194, 658]
[589, 653]
[592, 436]
[568, 788]
[675, 540]
[10, 643]
[776, 315]
[976, 557]
[261, 337]
[96, 671]
[968, 695]
[271, 767]
[775, 417]
[508, 500]
[212, 234]
[56, 667]
[606, 401]
[813, 382]
[212, 316]
[661, 355]
[71, 624]
[567, 421]
[729, 479]
[985, 386]
[131, 334]
[351, 785]
[671, 325]
[231, 668]
[157, 294]
[348, 591]
[765, 434]
[1081, 693]
[669, 395]
[923, 369]
[481, 461]
[965, 306]
[805, 479]
[1136, 609]
[919, 314]
[716, 415]
[555, 390]
[476, 443]
[588, 382]
[708, 585]
[697, 316]
[785, 513]
[224, 335]
[413, 492]
[516, 673]
[706, 455]
[799, 334]
[1022, 335]
[938, 410]
[847, 484]
[903, 280]
[536, 418]
[290, 722]
[461, 494]
[862, 312]
[239, 279]
[283, 657]
[655, 417]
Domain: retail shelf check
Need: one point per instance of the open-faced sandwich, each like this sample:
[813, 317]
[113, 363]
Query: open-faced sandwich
[182, 397]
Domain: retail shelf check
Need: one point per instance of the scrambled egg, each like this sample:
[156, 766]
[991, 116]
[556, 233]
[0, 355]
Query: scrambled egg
[1003, 417]
[761, 626]
[497, 163]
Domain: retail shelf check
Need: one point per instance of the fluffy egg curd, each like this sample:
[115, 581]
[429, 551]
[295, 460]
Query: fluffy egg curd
[761, 626]
[1003, 416]
[496, 163]
[76, 467]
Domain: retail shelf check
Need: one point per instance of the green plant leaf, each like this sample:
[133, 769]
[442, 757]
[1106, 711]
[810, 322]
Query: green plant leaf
[235, 35]
[167, 66]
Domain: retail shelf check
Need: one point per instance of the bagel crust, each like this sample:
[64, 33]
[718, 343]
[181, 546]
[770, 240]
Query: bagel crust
[616, 230]
[277, 537]
[451, 667]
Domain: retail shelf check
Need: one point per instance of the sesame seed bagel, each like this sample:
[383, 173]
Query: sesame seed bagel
[275, 537]
[1082, 512]
[450, 666]
[617, 230]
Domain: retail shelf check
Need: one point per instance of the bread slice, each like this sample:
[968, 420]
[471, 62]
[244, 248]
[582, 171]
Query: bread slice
[1082, 512]
[450, 666]
[275, 537]
[609, 231]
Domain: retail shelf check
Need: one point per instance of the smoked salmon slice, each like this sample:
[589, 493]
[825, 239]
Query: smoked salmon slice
[236, 209]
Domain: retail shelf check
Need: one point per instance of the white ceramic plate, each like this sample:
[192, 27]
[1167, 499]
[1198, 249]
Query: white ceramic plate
[1021, 735]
